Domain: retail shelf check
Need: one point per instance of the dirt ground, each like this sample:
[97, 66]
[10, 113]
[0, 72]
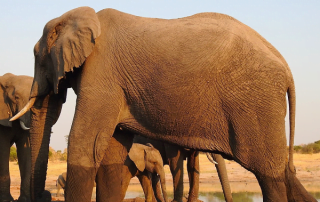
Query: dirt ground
[307, 167]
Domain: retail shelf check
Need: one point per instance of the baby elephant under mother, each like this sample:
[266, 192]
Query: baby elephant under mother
[206, 82]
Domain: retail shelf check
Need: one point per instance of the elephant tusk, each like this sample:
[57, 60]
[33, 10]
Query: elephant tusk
[210, 158]
[24, 127]
[25, 109]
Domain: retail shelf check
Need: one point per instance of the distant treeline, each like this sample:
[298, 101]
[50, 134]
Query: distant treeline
[53, 155]
[311, 148]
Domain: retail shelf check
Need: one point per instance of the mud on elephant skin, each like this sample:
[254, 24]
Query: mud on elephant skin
[62, 181]
[224, 92]
[14, 95]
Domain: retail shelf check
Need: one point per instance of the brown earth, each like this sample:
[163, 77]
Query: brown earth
[307, 166]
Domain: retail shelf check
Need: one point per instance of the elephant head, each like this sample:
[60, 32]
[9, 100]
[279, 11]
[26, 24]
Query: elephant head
[146, 157]
[14, 95]
[65, 44]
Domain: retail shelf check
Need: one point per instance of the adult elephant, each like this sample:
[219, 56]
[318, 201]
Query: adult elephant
[206, 82]
[14, 95]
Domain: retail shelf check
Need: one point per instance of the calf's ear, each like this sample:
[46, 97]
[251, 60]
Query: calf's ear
[137, 155]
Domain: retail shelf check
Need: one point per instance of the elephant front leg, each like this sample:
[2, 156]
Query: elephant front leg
[5, 195]
[90, 133]
[82, 166]
[24, 158]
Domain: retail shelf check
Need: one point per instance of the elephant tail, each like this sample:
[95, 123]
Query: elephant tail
[292, 115]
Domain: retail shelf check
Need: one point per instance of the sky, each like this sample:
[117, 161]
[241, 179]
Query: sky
[292, 27]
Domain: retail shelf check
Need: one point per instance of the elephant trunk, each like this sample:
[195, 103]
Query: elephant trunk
[223, 176]
[44, 114]
[163, 184]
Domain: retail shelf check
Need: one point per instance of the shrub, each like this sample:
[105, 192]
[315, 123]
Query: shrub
[50, 155]
[13, 154]
[297, 149]
[316, 148]
[307, 149]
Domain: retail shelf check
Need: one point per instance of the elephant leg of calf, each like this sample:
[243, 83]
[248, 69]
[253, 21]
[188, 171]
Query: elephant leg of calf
[157, 188]
[193, 168]
[145, 181]
[5, 195]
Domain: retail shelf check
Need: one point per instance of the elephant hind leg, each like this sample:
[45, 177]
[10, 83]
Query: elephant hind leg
[295, 190]
[273, 189]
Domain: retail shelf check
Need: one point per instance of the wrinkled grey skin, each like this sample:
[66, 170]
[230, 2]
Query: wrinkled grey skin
[14, 95]
[206, 82]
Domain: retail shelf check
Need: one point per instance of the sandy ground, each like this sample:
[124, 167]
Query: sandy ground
[307, 166]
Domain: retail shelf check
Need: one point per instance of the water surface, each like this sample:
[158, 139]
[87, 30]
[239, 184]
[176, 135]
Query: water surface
[241, 191]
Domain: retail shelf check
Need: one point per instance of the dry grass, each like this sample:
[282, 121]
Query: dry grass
[307, 166]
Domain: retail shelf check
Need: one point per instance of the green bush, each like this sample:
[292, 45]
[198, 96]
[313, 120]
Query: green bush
[316, 148]
[63, 156]
[311, 148]
[297, 149]
[307, 149]
[50, 154]
[13, 154]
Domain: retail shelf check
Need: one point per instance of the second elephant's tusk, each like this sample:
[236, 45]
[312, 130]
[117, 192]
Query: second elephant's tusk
[210, 158]
[25, 109]
[23, 126]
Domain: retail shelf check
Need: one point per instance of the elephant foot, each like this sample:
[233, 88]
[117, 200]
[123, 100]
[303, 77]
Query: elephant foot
[6, 198]
[24, 199]
[45, 197]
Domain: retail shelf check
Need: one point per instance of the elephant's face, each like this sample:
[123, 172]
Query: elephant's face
[146, 157]
[65, 44]
[14, 94]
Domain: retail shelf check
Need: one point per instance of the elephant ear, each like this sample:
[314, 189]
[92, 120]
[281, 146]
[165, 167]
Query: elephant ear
[5, 111]
[71, 40]
[137, 155]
